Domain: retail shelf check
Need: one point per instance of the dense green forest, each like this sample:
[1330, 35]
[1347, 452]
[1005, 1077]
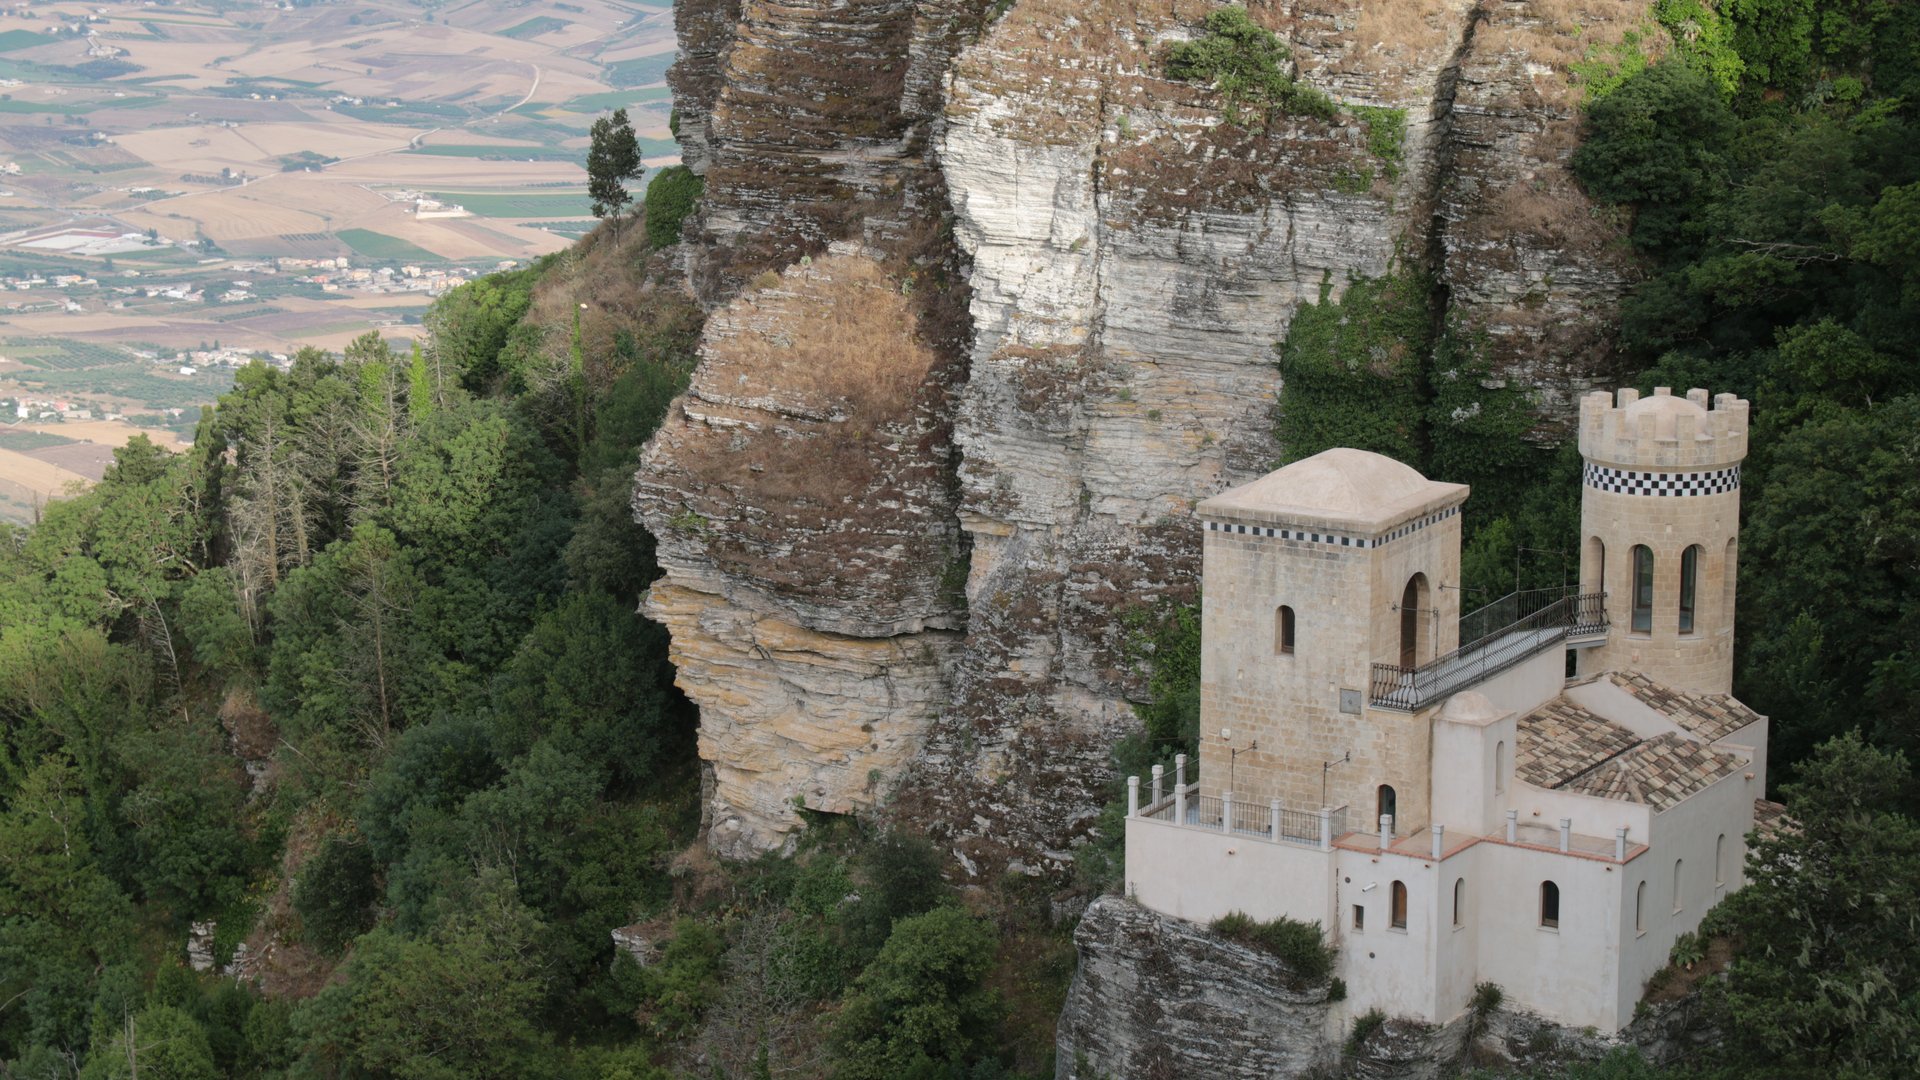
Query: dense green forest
[354, 693]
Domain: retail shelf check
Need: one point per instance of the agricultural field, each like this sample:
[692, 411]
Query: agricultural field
[232, 134]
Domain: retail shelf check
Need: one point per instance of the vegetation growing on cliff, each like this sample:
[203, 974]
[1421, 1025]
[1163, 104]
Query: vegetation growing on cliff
[1244, 63]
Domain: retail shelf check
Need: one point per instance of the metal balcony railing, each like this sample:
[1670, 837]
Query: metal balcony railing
[1537, 623]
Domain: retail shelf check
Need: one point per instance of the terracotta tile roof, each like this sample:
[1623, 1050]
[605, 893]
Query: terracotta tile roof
[1708, 716]
[1659, 772]
[1560, 740]
[1770, 818]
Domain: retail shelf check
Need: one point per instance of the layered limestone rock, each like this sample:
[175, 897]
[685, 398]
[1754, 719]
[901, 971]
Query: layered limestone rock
[801, 498]
[1135, 258]
[808, 119]
[1154, 996]
[1132, 258]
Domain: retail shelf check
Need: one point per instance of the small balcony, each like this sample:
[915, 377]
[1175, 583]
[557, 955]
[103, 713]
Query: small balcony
[1497, 636]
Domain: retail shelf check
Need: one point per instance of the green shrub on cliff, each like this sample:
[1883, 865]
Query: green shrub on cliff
[1302, 946]
[1243, 60]
[1352, 369]
[669, 200]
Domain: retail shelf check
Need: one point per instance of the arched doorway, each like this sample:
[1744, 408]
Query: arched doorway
[1413, 609]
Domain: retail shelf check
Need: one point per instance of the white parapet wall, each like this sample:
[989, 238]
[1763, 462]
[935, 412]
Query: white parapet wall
[1201, 874]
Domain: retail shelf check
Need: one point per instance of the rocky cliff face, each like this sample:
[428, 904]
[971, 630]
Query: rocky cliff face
[1154, 996]
[800, 492]
[1129, 262]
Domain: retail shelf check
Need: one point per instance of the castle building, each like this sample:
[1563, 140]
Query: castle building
[1542, 793]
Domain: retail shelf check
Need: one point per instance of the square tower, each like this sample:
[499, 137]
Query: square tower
[1314, 574]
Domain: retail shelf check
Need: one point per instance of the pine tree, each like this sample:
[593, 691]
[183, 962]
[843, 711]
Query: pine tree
[613, 161]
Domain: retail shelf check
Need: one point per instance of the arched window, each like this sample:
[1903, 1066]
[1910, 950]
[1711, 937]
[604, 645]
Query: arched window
[1720, 860]
[1385, 800]
[1689, 586]
[1642, 589]
[1283, 630]
[1550, 905]
[1640, 908]
[1501, 766]
[1676, 884]
[1399, 905]
[1596, 565]
[1413, 609]
[1459, 901]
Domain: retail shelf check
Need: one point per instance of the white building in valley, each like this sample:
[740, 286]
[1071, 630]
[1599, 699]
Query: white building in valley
[1541, 794]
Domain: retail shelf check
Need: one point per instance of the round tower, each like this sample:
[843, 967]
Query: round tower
[1660, 526]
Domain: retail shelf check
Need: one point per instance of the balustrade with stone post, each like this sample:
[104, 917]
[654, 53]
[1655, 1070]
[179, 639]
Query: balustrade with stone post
[1326, 828]
[1133, 796]
[1273, 820]
[1386, 831]
[1439, 840]
[1180, 770]
[1226, 811]
[1159, 778]
[1513, 826]
[1180, 803]
[1620, 844]
[1566, 835]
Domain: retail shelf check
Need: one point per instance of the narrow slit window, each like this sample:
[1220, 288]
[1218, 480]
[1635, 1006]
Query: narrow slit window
[1283, 630]
[1640, 908]
[1642, 589]
[1720, 860]
[1676, 884]
[1549, 905]
[1399, 905]
[1459, 901]
[1359, 916]
[1501, 766]
[1689, 586]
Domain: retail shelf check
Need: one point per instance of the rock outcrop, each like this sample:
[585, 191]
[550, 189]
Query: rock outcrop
[1155, 996]
[801, 498]
[1130, 259]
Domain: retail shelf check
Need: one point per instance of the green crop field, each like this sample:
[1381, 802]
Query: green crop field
[516, 205]
[498, 153]
[640, 71]
[133, 380]
[617, 99]
[61, 354]
[22, 39]
[20, 439]
[534, 27]
[377, 245]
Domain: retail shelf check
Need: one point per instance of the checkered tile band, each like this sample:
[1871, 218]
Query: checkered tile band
[1311, 536]
[1625, 482]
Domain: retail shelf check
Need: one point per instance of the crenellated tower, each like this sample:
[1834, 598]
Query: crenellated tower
[1660, 525]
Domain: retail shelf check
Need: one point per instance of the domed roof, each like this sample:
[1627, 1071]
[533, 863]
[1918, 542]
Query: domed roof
[1665, 408]
[1341, 486]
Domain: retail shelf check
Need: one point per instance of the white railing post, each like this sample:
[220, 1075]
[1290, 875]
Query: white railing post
[1513, 826]
[1133, 796]
[1326, 828]
[1439, 840]
[1386, 831]
[1566, 834]
[1159, 777]
[1180, 804]
[1273, 820]
[1180, 770]
[1620, 844]
[1226, 811]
